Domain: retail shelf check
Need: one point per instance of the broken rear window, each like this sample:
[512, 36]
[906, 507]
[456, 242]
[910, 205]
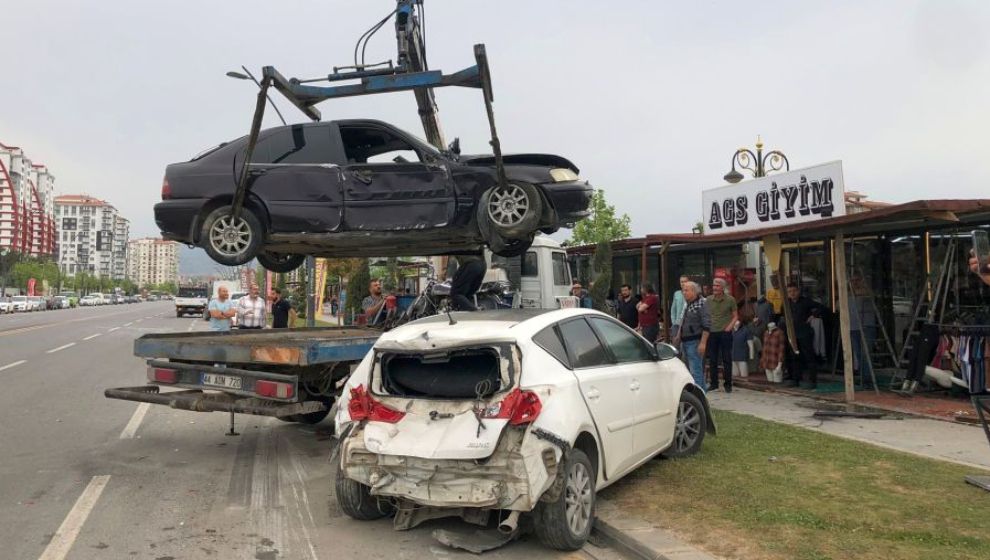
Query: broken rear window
[456, 374]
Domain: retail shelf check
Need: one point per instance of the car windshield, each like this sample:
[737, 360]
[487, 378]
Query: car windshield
[192, 292]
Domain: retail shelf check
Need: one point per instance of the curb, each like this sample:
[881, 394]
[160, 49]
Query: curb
[636, 538]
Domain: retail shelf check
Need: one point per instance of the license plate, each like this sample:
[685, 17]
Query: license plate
[217, 380]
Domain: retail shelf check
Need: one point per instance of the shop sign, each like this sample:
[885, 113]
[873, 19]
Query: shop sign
[802, 195]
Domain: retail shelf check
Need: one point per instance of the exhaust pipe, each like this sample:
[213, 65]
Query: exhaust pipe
[508, 525]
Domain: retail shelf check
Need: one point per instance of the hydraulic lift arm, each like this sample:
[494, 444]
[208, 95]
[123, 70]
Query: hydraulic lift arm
[409, 72]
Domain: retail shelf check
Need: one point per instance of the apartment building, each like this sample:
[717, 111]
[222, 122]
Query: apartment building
[27, 192]
[152, 261]
[92, 237]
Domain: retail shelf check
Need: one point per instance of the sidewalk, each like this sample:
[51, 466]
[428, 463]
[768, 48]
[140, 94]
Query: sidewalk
[958, 443]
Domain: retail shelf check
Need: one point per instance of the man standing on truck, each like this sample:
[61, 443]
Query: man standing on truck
[221, 310]
[251, 310]
[283, 316]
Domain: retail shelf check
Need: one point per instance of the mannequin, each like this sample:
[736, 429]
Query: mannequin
[771, 361]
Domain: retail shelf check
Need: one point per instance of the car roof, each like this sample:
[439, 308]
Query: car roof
[477, 326]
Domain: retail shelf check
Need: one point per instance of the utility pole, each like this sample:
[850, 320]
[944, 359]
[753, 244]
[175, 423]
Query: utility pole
[310, 291]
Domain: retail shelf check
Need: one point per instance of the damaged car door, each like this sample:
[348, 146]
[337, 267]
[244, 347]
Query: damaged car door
[606, 391]
[294, 172]
[392, 183]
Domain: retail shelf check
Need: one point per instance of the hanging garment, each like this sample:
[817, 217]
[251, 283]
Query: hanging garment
[986, 363]
[963, 353]
[921, 354]
[773, 349]
[819, 337]
[976, 361]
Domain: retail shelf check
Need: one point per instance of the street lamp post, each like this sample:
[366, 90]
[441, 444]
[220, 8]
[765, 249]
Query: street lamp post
[759, 163]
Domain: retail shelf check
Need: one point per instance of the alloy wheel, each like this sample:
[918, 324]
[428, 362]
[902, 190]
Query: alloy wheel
[508, 205]
[578, 499]
[688, 426]
[230, 236]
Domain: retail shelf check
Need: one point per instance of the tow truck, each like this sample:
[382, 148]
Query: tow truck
[295, 374]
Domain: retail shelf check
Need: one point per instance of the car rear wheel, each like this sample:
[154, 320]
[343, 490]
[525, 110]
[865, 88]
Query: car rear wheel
[356, 501]
[565, 523]
[513, 210]
[280, 262]
[231, 241]
[689, 430]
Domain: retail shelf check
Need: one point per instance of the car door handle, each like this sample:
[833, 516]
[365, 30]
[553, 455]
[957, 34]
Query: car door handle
[593, 394]
[362, 176]
[634, 386]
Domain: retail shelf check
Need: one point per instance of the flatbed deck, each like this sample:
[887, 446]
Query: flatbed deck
[299, 347]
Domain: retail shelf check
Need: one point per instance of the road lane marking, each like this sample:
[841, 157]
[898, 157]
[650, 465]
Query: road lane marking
[62, 347]
[22, 330]
[191, 325]
[128, 324]
[58, 548]
[131, 428]
[12, 364]
[92, 336]
[57, 323]
[113, 329]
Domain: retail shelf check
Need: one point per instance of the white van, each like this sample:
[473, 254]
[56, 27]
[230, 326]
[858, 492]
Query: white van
[546, 278]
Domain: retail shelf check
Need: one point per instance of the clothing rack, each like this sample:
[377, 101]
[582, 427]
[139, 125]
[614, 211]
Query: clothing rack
[963, 329]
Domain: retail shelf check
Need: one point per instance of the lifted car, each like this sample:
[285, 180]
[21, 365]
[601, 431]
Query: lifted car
[363, 187]
[513, 412]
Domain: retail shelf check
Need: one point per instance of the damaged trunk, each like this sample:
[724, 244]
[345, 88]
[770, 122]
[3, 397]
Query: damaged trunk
[464, 374]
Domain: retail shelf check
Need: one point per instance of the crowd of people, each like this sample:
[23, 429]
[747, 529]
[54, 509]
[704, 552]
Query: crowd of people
[251, 311]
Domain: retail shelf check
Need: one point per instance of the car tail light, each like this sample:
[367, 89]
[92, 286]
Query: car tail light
[274, 389]
[363, 406]
[163, 375]
[166, 189]
[519, 407]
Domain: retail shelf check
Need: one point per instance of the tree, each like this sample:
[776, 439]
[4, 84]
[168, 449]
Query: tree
[602, 225]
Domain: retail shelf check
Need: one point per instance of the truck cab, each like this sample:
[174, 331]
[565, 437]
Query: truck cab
[190, 300]
[545, 276]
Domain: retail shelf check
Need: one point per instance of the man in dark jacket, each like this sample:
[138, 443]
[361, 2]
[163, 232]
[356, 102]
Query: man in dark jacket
[625, 307]
[800, 364]
[283, 315]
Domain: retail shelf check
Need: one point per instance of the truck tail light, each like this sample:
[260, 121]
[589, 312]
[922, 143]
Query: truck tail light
[163, 375]
[519, 407]
[166, 189]
[274, 389]
[363, 406]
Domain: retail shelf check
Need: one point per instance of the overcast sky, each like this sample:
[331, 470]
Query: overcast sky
[648, 98]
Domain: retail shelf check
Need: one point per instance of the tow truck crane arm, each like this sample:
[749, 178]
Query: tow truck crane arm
[410, 72]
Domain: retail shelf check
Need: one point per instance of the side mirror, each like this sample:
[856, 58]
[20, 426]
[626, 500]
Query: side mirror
[455, 146]
[666, 351]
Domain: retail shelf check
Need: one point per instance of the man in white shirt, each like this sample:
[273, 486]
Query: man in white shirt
[251, 310]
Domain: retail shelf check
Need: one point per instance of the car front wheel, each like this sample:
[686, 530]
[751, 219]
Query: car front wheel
[231, 241]
[512, 210]
[565, 523]
[279, 262]
[689, 431]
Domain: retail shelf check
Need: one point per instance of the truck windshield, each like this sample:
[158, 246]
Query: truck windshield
[192, 292]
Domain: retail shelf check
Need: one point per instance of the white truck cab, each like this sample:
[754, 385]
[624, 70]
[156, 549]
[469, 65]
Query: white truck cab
[545, 275]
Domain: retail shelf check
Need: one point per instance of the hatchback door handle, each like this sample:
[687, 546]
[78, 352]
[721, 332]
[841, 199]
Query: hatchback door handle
[594, 394]
[634, 386]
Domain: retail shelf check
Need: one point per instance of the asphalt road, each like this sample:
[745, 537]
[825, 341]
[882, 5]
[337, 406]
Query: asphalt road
[84, 477]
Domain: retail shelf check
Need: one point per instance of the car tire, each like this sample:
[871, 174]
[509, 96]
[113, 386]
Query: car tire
[510, 247]
[689, 427]
[231, 242]
[512, 211]
[565, 523]
[178, 314]
[278, 262]
[356, 501]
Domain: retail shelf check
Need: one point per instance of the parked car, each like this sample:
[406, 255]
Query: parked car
[351, 188]
[6, 305]
[21, 303]
[61, 302]
[524, 411]
[91, 300]
[37, 303]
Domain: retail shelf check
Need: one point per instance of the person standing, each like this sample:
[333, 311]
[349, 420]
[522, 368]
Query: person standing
[677, 306]
[221, 310]
[723, 310]
[466, 281]
[649, 316]
[283, 315]
[251, 310]
[798, 363]
[742, 340]
[694, 332]
[625, 307]
[373, 303]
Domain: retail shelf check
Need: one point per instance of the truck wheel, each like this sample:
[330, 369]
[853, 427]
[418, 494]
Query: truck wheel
[279, 262]
[565, 523]
[178, 313]
[689, 431]
[356, 500]
[512, 211]
[231, 241]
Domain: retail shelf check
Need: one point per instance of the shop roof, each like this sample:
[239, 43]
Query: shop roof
[906, 217]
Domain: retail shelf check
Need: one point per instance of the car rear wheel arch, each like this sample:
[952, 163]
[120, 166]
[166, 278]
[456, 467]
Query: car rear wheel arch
[589, 445]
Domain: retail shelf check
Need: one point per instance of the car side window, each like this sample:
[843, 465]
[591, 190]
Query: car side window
[530, 266]
[625, 346]
[583, 348]
[296, 144]
[376, 145]
[549, 340]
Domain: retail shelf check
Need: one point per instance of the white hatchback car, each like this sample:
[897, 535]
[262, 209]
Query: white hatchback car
[520, 411]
